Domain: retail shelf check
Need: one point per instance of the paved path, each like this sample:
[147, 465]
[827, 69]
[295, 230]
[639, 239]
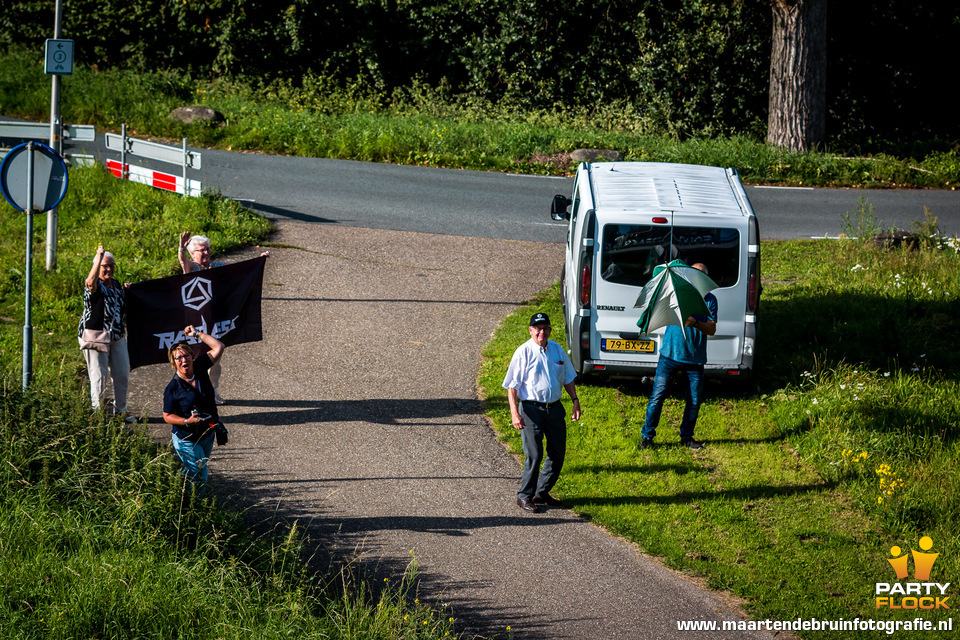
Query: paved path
[358, 415]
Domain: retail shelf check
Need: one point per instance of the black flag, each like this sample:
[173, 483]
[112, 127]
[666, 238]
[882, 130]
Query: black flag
[223, 302]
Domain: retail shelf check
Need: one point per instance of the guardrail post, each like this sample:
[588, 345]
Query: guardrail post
[123, 152]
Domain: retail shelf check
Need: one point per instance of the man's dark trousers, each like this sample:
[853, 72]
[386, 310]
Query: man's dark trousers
[540, 421]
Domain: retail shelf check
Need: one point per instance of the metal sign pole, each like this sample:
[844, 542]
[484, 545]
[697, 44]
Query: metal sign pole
[56, 143]
[28, 314]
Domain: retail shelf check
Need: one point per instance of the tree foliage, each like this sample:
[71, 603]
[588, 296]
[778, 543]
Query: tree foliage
[683, 66]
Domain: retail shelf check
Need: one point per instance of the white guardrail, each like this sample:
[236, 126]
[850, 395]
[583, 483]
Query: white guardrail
[127, 146]
[41, 131]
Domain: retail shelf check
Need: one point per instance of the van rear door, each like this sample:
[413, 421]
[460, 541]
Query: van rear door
[628, 254]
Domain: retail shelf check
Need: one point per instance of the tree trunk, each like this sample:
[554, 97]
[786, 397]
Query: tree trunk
[798, 61]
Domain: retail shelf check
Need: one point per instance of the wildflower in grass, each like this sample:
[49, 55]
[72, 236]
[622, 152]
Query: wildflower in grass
[890, 482]
[851, 461]
[849, 455]
[815, 401]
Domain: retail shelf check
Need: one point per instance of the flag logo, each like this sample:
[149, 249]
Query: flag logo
[196, 293]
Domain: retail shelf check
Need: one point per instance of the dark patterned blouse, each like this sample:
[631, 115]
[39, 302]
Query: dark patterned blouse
[104, 308]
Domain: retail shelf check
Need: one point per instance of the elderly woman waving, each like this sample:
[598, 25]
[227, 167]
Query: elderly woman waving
[189, 404]
[194, 254]
[101, 333]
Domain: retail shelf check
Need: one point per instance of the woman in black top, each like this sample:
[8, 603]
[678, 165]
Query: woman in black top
[189, 403]
[104, 309]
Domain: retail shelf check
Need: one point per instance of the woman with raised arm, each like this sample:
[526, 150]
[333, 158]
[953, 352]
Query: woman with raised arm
[189, 404]
[102, 333]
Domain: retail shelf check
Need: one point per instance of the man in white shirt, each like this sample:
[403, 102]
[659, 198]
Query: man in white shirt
[538, 373]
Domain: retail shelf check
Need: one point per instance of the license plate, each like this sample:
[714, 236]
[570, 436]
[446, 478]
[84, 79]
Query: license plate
[627, 346]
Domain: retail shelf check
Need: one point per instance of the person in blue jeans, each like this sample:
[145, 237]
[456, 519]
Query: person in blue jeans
[189, 403]
[685, 356]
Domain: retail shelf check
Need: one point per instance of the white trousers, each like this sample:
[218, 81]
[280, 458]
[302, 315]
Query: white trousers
[116, 363]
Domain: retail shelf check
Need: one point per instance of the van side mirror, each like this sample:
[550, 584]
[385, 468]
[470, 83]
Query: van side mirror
[558, 210]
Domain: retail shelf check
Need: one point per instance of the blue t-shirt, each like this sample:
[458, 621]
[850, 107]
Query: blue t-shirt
[693, 348]
[181, 398]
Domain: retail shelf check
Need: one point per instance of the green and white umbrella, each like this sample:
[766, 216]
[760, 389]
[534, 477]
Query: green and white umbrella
[673, 294]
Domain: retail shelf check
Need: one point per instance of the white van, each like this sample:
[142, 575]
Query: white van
[626, 218]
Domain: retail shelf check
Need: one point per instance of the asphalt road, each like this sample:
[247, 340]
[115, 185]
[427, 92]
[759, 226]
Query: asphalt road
[496, 205]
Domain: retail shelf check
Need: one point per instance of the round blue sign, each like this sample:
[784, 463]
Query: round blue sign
[33, 169]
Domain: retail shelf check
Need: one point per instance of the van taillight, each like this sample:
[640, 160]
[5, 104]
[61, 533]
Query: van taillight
[753, 285]
[585, 283]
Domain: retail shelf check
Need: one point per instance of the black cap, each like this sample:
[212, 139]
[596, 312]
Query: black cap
[538, 318]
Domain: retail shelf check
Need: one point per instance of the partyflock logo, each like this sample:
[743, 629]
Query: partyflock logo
[196, 293]
[919, 593]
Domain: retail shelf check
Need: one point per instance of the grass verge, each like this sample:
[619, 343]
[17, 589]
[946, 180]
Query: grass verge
[99, 537]
[844, 446]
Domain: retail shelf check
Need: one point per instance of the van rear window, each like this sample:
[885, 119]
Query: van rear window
[630, 252]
